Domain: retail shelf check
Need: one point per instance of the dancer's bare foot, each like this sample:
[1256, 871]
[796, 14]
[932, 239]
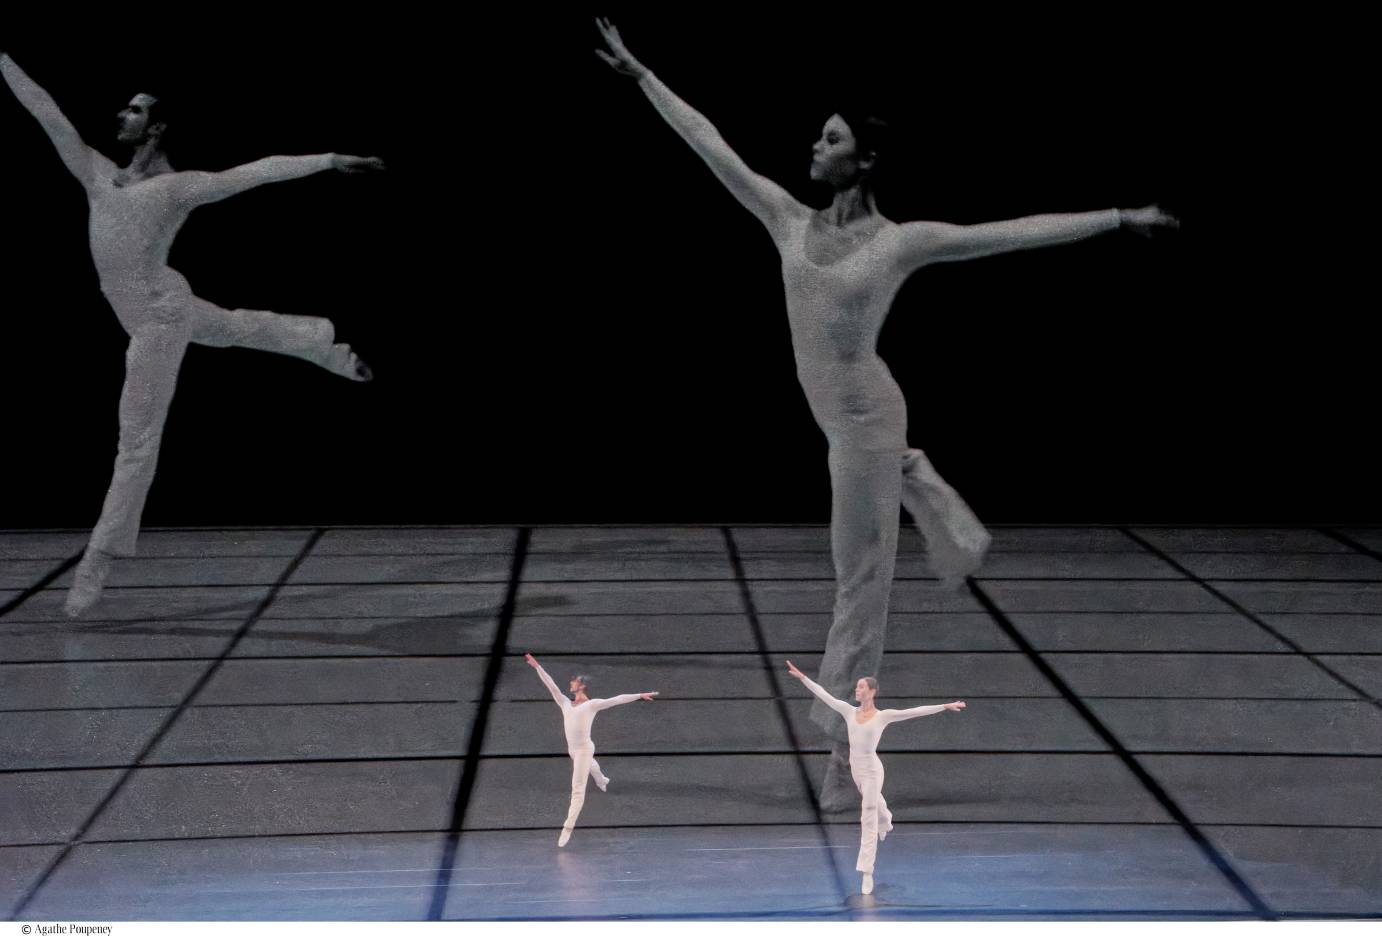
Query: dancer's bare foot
[603, 785]
[867, 886]
[345, 362]
[88, 582]
[564, 838]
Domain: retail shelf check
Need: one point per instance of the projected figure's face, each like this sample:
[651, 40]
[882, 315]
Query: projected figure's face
[135, 122]
[863, 692]
[577, 687]
[834, 157]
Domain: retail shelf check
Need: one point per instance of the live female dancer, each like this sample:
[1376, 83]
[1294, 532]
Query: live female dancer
[865, 725]
[577, 716]
[841, 267]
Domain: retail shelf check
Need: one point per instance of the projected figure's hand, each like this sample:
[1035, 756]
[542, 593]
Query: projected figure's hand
[354, 164]
[1144, 221]
[618, 57]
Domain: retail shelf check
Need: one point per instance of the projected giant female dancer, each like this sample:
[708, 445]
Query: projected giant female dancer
[136, 213]
[578, 715]
[841, 267]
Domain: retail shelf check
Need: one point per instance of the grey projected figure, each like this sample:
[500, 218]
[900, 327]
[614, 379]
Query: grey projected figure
[865, 725]
[841, 268]
[577, 716]
[135, 213]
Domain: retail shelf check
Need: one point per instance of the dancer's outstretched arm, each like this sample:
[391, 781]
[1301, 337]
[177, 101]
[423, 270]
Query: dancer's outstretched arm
[765, 198]
[621, 700]
[201, 188]
[81, 160]
[901, 715]
[840, 706]
[557, 694]
[926, 242]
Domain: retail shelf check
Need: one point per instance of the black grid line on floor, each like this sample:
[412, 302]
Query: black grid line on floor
[475, 744]
[774, 682]
[163, 729]
[1351, 543]
[1215, 857]
[52, 575]
[1257, 620]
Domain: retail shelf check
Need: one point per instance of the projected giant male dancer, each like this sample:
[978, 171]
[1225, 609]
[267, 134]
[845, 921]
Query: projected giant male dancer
[135, 213]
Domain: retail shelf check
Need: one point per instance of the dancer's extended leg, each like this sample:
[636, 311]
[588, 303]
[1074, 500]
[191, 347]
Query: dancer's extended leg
[955, 540]
[580, 772]
[870, 814]
[598, 776]
[151, 373]
[307, 337]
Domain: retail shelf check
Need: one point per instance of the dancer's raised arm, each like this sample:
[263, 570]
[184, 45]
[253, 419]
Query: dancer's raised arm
[557, 694]
[840, 706]
[201, 188]
[81, 160]
[769, 202]
[926, 242]
[901, 715]
[620, 700]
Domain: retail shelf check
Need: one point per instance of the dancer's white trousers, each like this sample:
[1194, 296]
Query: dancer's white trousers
[874, 815]
[583, 768]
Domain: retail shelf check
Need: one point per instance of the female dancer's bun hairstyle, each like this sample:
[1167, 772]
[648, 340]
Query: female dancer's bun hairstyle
[871, 133]
[872, 682]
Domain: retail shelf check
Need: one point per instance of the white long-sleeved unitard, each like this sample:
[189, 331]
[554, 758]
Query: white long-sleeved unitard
[835, 312]
[131, 230]
[865, 766]
[577, 720]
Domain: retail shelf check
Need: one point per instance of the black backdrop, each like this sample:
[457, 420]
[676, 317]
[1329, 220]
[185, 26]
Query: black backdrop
[572, 322]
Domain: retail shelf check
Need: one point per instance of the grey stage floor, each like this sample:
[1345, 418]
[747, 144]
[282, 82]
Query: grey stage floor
[337, 723]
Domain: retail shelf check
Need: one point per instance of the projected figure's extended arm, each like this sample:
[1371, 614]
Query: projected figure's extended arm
[81, 160]
[768, 201]
[200, 188]
[926, 242]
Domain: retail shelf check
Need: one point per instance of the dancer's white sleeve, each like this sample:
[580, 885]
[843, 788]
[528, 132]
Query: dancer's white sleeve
[766, 199]
[200, 188]
[926, 242]
[557, 694]
[620, 700]
[81, 160]
[901, 715]
[840, 706]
